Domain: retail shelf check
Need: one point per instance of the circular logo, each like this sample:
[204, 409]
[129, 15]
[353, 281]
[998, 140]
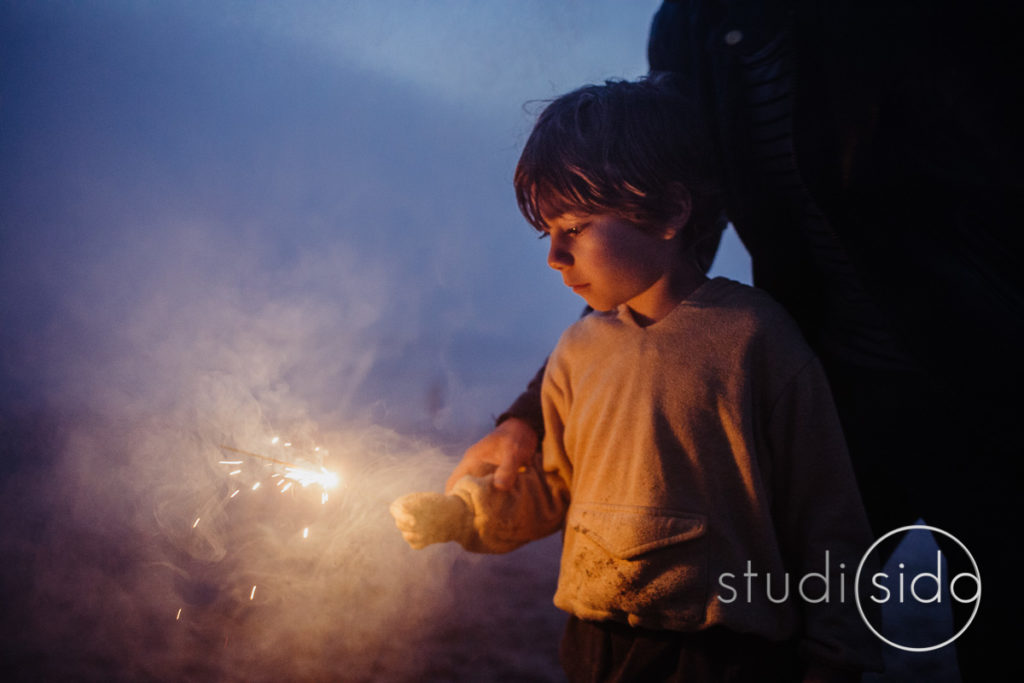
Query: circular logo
[976, 598]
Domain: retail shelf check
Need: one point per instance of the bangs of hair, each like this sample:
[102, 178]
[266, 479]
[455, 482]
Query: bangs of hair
[623, 148]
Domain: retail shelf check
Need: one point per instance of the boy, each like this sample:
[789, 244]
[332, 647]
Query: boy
[691, 453]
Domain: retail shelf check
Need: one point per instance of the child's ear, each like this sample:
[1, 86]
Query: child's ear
[679, 196]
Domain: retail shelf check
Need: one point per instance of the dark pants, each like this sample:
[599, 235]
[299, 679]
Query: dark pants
[610, 652]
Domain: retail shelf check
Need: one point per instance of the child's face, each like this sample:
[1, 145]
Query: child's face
[607, 260]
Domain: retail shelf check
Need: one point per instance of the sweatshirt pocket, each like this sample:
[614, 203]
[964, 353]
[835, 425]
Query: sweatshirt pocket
[626, 532]
[647, 566]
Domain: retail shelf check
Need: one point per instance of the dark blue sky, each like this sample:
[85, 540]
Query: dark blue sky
[350, 158]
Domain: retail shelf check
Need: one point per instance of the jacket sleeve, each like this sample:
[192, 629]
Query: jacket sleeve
[820, 520]
[527, 406]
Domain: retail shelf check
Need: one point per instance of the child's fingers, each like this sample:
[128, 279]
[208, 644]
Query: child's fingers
[399, 512]
[415, 541]
[405, 523]
[412, 517]
[420, 505]
[427, 517]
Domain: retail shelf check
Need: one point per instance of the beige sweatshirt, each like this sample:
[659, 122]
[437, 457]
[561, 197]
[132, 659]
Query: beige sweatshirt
[686, 461]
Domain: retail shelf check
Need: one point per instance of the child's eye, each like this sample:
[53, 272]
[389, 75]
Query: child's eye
[572, 231]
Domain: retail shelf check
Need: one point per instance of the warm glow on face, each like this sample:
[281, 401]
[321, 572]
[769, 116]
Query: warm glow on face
[607, 260]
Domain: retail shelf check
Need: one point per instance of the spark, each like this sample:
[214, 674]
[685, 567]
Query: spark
[304, 475]
[287, 444]
[260, 457]
[178, 618]
[305, 532]
[234, 472]
[323, 498]
[255, 486]
[236, 492]
[275, 439]
[286, 487]
[195, 523]
[230, 462]
[252, 594]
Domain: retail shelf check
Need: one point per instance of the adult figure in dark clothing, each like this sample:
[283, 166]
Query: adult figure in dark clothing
[872, 166]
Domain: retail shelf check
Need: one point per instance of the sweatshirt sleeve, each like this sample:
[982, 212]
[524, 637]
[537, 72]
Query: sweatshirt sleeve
[533, 508]
[820, 520]
[538, 502]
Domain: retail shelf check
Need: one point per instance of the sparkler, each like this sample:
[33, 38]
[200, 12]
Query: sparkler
[293, 473]
[304, 476]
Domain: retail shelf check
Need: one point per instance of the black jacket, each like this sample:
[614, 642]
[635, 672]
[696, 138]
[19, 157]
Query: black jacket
[905, 134]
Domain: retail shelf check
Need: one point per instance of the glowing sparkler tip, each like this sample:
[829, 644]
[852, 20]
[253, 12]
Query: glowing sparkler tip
[331, 480]
[305, 477]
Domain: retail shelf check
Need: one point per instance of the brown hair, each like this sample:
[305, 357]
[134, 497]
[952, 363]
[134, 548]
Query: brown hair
[633, 149]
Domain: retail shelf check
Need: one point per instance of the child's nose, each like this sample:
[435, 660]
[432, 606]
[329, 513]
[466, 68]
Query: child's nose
[558, 256]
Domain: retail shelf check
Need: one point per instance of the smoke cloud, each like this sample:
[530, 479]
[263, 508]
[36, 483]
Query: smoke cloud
[222, 225]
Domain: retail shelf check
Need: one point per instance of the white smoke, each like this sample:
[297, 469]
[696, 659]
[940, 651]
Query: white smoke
[226, 223]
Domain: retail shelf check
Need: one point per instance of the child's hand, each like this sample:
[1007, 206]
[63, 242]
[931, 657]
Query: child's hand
[425, 518]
